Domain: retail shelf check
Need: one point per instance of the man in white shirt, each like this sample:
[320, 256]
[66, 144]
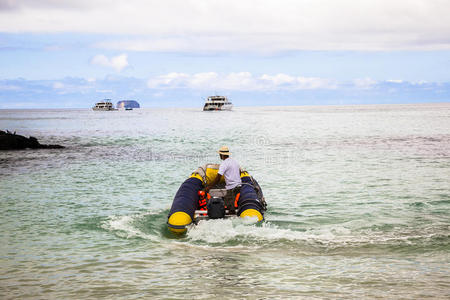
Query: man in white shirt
[230, 169]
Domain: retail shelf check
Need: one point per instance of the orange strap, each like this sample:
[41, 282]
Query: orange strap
[236, 200]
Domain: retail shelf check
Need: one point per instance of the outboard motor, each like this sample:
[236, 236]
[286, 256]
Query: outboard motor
[216, 208]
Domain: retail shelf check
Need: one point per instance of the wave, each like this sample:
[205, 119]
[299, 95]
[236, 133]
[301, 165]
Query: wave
[145, 226]
[245, 233]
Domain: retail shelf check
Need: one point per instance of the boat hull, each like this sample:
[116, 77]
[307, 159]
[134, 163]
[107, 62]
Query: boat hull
[103, 109]
[105, 105]
[185, 206]
[217, 103]
[214, 108]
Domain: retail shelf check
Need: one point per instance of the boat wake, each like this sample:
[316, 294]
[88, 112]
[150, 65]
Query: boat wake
[135, 226]
[246, 232]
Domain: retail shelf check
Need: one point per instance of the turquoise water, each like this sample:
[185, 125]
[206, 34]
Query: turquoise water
[358, 204]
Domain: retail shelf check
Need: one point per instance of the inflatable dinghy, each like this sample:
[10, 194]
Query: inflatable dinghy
[191, 204]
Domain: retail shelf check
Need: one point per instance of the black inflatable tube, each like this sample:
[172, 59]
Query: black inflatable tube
[248, 198]
[186, 199]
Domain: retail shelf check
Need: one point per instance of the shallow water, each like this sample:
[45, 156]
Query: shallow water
[358, 204]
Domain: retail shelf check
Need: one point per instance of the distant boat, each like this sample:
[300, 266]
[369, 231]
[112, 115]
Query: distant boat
[127, 104]
[217, 103]
[105, 105]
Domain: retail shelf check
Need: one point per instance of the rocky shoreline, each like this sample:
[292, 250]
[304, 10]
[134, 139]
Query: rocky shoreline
[13, 141]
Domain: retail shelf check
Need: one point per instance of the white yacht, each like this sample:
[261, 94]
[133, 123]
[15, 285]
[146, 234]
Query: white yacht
[106, 104]
[217, 103]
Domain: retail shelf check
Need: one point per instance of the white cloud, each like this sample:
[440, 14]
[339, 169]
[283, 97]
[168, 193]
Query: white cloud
[283, 80]
[117, 62]
[168, 80]
[58, 4]
[420, 82]
[244, 81]
[239, 81]
[58, 85]
[394, 81]
[71, 85]
[9, 87]
[364, 83]
[236, 25]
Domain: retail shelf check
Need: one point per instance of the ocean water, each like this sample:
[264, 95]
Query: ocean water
[358, 204]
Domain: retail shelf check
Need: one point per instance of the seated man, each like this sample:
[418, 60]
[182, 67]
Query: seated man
[230, 169]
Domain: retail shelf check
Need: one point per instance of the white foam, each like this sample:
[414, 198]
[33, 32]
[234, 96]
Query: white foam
[244, 233]
[123, 226]
[224, 230]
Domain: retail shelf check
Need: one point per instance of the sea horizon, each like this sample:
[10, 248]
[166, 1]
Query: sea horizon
[238, 106]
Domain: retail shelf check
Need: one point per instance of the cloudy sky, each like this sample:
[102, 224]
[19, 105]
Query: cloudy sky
[72, 53]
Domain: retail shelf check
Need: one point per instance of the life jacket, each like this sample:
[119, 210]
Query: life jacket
[203, 199]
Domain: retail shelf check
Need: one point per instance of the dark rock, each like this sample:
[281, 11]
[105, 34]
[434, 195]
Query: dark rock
[13, 141]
